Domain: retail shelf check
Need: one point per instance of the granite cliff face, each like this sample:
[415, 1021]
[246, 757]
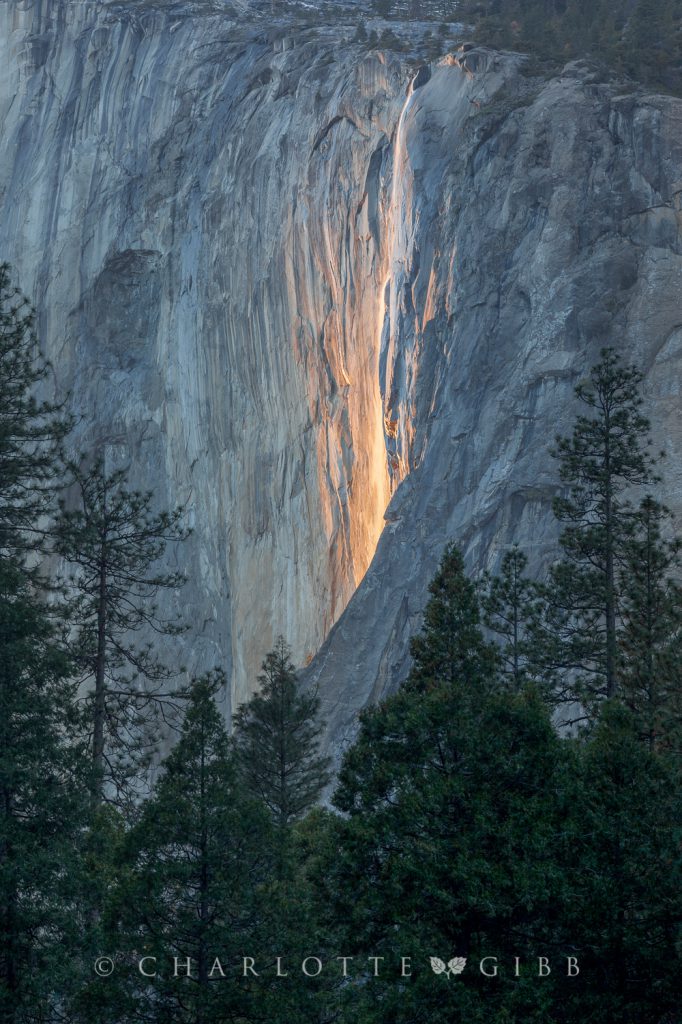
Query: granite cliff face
[334, 301]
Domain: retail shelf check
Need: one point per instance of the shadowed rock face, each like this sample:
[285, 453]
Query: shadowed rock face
[329, 302]
[541, 221]
[200, 215]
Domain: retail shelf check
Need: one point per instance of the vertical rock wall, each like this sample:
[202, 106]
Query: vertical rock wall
[334, 303]
[537, 221]
[200, 216]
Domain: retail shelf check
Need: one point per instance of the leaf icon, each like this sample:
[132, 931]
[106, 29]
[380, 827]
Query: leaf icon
[457, 964]
[437, 965]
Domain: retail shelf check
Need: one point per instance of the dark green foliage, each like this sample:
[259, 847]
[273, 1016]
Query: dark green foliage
[276, 742]
[42, 766]
[472, 829]
[650, 636]
[197, 883]
[623, 868]
[42, 810]
[276, 736]
[95, 891]
[114, 542]
[604, 458]
[641, 38]
[511, 606]
[294, 931]
[450, 647]
[453, 795]
[30, 429]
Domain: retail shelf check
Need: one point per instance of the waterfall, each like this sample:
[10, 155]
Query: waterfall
[396, 255]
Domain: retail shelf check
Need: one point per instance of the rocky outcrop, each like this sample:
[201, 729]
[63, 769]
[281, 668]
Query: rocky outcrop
[199, 213]
[541, 220]
[335, 302]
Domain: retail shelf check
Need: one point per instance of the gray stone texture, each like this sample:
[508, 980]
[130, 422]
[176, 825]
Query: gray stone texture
[334, 306]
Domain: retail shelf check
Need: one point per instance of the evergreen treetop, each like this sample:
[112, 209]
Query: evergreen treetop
[197, 882]
[277, 738]
[450, 646]
[511, 606]
[600, 463]
[113, 540]
[31, 429]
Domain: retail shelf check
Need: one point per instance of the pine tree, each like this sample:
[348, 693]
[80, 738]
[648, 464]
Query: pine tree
[622, 908]
[470, 828]
[31, 430]
[511, 606]
[650, 636]
[451, 800]
[114, 541]
[196, 885]
[277, 736]
[276, 739]
[604, 458]
[450, 646]
[42, 769]
[42, 812]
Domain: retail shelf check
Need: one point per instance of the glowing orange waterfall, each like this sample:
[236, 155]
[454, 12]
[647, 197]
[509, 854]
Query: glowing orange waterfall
[398, 212]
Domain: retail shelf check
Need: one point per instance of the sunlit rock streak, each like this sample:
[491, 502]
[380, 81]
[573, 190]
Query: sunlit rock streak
[201, 218]
[532, 223]
[397, 422]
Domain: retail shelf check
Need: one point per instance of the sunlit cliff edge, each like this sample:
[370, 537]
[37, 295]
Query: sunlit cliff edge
[333, 301]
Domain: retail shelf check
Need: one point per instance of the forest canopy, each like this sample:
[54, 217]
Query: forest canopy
[641, 39]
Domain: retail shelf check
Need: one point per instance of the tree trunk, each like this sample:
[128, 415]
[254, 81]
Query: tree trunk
[202, 952]
[610, 572]
[516, 626]
[10, 967]
[100, 685]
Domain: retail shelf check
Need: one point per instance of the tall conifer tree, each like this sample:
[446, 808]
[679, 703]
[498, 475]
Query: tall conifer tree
[276, 739]
[114, 542]
[650, 635]
[196, 886]
[42, 771]
[277, 736]
[451, 799]
[31, 428]
[42, 813]
[450, 646]
[511, 606]
[603, 459]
